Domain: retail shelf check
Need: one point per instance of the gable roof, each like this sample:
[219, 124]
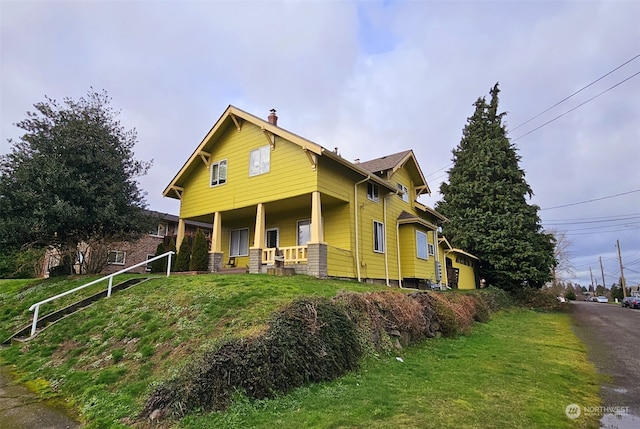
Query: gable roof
[391, 163]
[236, 117]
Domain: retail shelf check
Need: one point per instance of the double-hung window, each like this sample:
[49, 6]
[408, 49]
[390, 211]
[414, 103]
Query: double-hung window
[405, 192]
[304, 232]
[219, 173]
[117, 257]
[421, 245]
[378, 237]
[372, 192]
[260, 160]
[239, 243]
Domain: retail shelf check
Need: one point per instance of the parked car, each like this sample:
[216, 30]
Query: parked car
[631, 302]
[602, 299]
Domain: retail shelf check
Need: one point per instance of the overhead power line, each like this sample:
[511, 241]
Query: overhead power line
[579, 105]
[590, 201]
[575, 93]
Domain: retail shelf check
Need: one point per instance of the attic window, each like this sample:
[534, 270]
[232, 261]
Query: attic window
[260, 161]
[219, 173]
[405, 192]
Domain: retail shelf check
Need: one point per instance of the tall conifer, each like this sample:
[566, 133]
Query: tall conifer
[485, 201]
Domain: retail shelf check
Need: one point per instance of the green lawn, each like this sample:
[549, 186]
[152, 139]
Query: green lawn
[518, 371]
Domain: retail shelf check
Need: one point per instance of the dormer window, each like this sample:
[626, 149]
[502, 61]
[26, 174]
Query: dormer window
[405, 192]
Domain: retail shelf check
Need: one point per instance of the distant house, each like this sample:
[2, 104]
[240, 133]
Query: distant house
[272, 197]
[128, 253]
[124, 254]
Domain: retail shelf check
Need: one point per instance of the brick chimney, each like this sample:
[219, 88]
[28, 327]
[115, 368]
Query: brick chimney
[273, 119]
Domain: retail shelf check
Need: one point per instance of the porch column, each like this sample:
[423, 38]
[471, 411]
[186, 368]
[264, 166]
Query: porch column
[317, 235]
[180, 236]
[316, 247]
[215, 253]
[255, 252]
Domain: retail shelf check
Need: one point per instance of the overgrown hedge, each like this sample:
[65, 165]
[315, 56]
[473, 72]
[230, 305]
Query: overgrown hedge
[317, 339]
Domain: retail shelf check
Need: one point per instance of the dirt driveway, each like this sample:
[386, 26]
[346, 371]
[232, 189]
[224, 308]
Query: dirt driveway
[611, 335]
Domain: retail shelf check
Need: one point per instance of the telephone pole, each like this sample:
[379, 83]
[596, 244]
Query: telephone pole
[622, 280]
[592, 287]
[602, 272]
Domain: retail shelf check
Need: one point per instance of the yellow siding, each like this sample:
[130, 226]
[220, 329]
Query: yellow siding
[340, 262]
[412, 266]
[466, 275]
[290, 174]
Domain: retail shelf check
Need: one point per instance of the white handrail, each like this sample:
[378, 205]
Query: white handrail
[37, 305]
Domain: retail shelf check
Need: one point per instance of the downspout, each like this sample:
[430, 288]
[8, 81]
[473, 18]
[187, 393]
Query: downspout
[355, 192]
[437, 254]
[386, 250]
[398, 250]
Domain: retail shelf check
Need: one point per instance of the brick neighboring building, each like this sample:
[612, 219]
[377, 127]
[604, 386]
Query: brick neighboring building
[125, 254]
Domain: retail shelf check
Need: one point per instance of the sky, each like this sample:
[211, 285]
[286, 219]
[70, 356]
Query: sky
[371, 78]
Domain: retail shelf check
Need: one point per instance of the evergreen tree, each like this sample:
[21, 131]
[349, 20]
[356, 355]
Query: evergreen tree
[184, 256]
[199, 253]
[172, 248]
[486, 204]
[159, 265]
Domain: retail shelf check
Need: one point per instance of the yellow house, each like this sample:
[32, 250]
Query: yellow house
[275, 198]
[460, 267]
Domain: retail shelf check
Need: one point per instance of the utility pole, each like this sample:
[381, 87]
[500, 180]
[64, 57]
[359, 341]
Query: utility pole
[622, 280]
[602, 272]
[592, 287]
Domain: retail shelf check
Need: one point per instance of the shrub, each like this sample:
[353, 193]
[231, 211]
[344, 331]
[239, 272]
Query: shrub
[184, 256]
[445, 315]
[159, 265]
[199, 253]
[310, 340]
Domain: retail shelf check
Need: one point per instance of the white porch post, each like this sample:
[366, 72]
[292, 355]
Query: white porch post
[180, 236]
[216, 234]
[259, 236]
[317, 234]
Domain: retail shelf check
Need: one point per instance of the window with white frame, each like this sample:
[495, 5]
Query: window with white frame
[405, 192]
[373, 193]
[160, 230]
[271, 238]
[304, 232]
[117, 257]
[378, 237]
[432, 249]
[239, 242]
[260, 160]
[219, 173]
[421, 245]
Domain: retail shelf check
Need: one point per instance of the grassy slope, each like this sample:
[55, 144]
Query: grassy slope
[520, 370]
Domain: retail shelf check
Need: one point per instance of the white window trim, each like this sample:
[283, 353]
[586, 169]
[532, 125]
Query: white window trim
[426, 247]
[260, 170]
[405, 192]
[231, 254]
[304, 221]
[376, 192]
[156, 232]
[117, 252]
[382, 241]
[431, 248]
[211, 170]
[277, 230]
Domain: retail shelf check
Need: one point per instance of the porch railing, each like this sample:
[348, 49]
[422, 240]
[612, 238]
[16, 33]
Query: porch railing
[288, 255]
[37, 305]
